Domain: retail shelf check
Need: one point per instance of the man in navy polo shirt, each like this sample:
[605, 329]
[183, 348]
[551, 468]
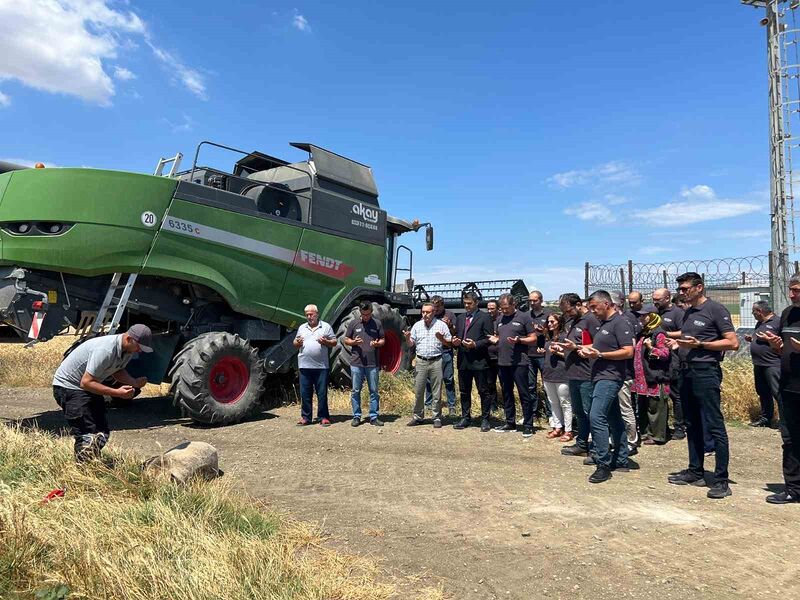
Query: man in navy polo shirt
[513, 333]
[611, 347]
[766, 363]
[705, 335]
[539, 316]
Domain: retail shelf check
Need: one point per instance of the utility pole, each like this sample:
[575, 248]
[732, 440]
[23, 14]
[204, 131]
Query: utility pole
[783, 63]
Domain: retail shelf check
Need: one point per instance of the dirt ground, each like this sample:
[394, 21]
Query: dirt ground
[488, 515]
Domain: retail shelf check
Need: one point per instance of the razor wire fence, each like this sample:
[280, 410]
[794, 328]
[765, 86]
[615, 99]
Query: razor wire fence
[734, 282]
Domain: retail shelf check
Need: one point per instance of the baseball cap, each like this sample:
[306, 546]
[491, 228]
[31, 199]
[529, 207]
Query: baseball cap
[142, 335]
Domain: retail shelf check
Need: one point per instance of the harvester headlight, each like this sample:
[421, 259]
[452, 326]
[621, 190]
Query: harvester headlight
[23, 228]
[54, 228]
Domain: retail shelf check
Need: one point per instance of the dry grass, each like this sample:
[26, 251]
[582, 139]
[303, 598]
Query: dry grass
[34, 367]
[121, 533]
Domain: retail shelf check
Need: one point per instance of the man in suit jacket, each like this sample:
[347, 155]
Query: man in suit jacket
[473, 329]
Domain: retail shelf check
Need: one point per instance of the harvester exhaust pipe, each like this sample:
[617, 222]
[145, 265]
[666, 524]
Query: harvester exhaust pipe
[5, 167]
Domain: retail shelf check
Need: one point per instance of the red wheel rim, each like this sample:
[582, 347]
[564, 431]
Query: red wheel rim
[228, 379]
[392, 352]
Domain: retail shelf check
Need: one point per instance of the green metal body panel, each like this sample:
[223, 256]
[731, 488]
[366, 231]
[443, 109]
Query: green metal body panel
[106, 207]
[264, 267]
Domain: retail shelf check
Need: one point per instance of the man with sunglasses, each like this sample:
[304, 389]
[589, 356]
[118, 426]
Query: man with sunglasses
[78, 385]
[704, 336]
[787, 343]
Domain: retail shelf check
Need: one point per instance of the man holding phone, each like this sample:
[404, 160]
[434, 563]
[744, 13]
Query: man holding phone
[314, 340]
[473, 329]
[705, 335]
[787, 343]
[539, 316]
[766, 363]
[611, 348]
[513, 334]
[365, 337]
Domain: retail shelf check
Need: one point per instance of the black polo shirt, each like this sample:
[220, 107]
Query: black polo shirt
[364, 355]
[613, 334]
[762, 353]
[518, 324]
[553, 368]
[707, 323]
[540, 319]
[447, 314]
[671, 318]
[790, 359]
[580, 330]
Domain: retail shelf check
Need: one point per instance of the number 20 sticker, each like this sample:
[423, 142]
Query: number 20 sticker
[148, 219]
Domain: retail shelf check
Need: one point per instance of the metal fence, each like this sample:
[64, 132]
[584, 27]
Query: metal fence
[734, 282]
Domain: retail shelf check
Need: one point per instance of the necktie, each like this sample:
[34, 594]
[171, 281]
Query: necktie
[469, 322]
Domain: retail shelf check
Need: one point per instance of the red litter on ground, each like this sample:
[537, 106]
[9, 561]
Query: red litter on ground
[52, 495]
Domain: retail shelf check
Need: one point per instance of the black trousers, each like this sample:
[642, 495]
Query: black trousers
[465, 380]
[491, 382]
[700, 394]
[535, 369]
[511, 376]
[768, 388]
[675, 393]
[86, 416]
[790, 434]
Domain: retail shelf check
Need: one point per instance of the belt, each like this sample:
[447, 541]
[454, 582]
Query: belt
[430, 358]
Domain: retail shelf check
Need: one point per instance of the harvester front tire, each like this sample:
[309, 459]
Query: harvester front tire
[217, 378]
[394, 356]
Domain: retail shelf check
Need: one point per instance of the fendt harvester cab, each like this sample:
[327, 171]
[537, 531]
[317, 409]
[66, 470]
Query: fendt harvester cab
[220, 265]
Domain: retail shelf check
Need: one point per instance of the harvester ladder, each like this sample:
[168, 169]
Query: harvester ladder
[111, 301]
[175, 161]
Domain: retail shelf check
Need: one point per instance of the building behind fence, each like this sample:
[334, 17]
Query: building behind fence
[734, 282]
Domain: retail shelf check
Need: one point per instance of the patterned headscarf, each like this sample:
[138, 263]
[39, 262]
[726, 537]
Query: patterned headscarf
[651, 322]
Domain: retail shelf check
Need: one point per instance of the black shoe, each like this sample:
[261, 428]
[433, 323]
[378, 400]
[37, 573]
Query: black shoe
[631, 465]
[437, 423]
[686, 477]
[376, 422]
[783, 498]
[589, 460]
[679, 434]
[719, 490]
[505, 428]
[761, 422]
[633, 450]
[574, 450]
[485, 425]
[600, 475]
[462, 424]
[414, 422]
[527, 432]
[355, 422]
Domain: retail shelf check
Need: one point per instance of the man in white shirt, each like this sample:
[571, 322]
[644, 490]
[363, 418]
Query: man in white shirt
[314, 339]
[430, 337]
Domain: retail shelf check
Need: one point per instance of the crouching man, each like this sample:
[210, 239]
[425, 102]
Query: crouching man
[78, 385]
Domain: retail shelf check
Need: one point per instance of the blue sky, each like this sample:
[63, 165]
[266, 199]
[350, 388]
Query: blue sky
[534, 135]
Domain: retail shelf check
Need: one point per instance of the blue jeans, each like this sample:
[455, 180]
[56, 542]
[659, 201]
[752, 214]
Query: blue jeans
[312, 380]
[448, 380]
[580, 393]
[605, 415]
[359, 374]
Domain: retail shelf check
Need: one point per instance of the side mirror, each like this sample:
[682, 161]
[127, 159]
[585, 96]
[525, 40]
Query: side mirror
[429, 238]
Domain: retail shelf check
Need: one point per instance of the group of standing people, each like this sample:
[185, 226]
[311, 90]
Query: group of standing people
[611, 370]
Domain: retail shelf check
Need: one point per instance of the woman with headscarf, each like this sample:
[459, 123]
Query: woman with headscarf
[651, 379]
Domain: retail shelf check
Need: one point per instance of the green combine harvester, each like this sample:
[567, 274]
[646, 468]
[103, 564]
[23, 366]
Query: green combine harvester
[219, 265]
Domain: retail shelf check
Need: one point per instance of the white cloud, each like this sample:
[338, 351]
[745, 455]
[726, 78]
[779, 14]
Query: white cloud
[610, 173]
[65, 47]
[592, 211]
[191, 79]
[123, 74]
[5, 100]
[650, 250]
[697, 204]
[300, 23]
[185, 126]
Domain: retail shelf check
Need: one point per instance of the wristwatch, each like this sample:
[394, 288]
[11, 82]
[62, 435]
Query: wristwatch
[599, 355]
[700, 345]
